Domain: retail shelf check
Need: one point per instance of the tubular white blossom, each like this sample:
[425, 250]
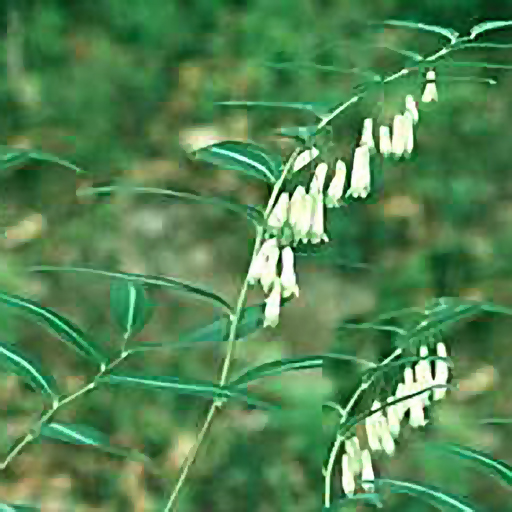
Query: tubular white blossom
[423, 374]
[399, 136]
[416, 411]
[367, 474]
[337, 185]
[361, 175]
[442, 371]
[372, 424]
[270, 258]
[408, 132]
[347, 476]
[288, 277]
[354, 454]
[259, 265]
[394, 418]
[317, 233]
[430, 91]
[301, 212]
[273, 305]
[305, 157]
[279, 214]
[410, 106]
[385, 147]
[367, 134]
[317, 183]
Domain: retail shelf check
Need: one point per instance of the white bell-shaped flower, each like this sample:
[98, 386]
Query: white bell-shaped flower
[354, 454]
[348, 481]
[265, 262]
[301, 213]
[288, 277]
[273, 305]
[361, 175]
[393, 417]
[408, 133]
[337, 185]
[279, 214]
[385, 147]
[415, 403]
[317, 183]
[317, 228]
[367, 474]
[367, 134]
[411, 107]
[305, 158]
[399, 139]
[423, 374]
[430, 91]
[442, 372]
[372, 424]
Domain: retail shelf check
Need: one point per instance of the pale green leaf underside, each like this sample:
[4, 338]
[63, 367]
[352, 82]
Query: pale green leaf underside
[4, 507]
[488, 25]
[447, 32]
[128, 306]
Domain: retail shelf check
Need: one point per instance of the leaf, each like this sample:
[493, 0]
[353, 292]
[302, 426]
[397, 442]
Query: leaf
[128, 306]
[487, 65]
[85, 435]
[372, 498]
[12, 158]
[277, 367]
[488, 25]
[497, 468]
[45, 157]
[57, 324]
[186, 386]
[447, 32]
[302, 133]
[165, 282]
[27, 369]
[251, 212]
[318, 108]
[5, 507]
[242, 156]
[436, 497]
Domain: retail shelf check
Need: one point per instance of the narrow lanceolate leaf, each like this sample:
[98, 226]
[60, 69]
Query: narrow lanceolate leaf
[77, 434]
[45, 157]
[476, 64]
[183, 386]
[165, 282]
[246, 157]
[27, 369]
[6, 507]
[12, 159]
[494, 467]
[436, 497]
[57, 324]
[128, 306]
[251, 212]
[277, 367]
[447, 32]
[488, 25]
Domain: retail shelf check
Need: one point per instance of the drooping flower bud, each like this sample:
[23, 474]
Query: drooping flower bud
[317, 229]
[305, 158]
[273, 305]
[372, 428]
[385, 141]
[317, 183]
[337, 185]
[263, 265]
[394, 418]
[367, 474]
[301, 213]
[367, 135]
[288, 277]
[430, 91]
[279, 214]
[347, 476]
[442, 371]
[410, 106]
[423, 374]
[361, 175]
[354, 454]
[415, 403]
[399, 136]
[408, 133]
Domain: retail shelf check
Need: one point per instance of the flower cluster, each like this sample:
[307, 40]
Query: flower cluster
[383, 423]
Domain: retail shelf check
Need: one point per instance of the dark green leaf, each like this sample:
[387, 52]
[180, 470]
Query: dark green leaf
[488, 65]
[13, 158]
[165, 282]
[246, 157]
[27, 369]
[128, 306]
[497, 468]
[45, 157]
[488, 25]
[57, 324]
[11, 507]
[434, 496]
[447, 32]
[485, 45]
[251, 212]
[184, 386]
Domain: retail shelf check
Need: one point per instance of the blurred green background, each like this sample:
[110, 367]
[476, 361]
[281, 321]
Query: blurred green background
[119, 87]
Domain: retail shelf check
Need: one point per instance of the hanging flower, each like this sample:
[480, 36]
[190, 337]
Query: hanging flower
[414, 404]
[317, 233]
[408, 132]
[305, 158]
[263, 266]
[367, 135]
[411, 107]
[317, 183]
[442, 371]
[347, 476]
[385, 141]
[288, 277]
[354, 454]
[399, 136]
[335, 190]
[372, 424]
[279, 214]
[430, 91]
[301, 212]
[423, 374]
[273, 305]
[361, 175]
[367, 474]
[394, 418]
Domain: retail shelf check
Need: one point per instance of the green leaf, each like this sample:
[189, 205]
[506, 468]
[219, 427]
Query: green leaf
[185, 386]
[252, 213]
[318, 108]
[128, 306]
[45, 157]
[301, 133]
[488, 25]
[372, 498]
[57, 324]
[434, 496]
[12, 158]
[487, 65]
[447, 32]
[27, 369]
[246, 157]
[164, 282]
[497, 468]
[5, 507]
[277, 367]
